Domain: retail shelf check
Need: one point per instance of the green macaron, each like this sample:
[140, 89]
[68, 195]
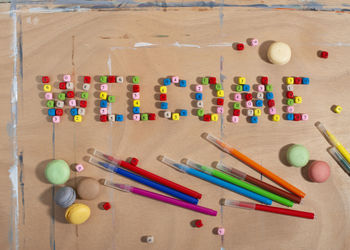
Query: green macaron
[297, 155]
[57, 172]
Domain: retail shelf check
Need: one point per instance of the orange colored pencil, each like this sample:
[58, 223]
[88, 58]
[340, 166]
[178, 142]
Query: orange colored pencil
[254, 165]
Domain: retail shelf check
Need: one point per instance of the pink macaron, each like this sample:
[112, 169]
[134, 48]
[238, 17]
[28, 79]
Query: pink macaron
[319, 171]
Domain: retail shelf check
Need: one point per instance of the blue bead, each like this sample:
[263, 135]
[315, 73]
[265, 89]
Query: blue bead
[199, 96]
[119, 118]
[246, 87]
[182, 83]
[183, 112]
[74, 111]
[164, 105]
[306, 80]
[167, 82]
[136, 110]
[103, 104]
[290, 117]
[254, 119]
[51, 112]
[269, 95]
[259, 103]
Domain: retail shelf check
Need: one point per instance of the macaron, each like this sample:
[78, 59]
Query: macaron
[279, 53]
[88, 188]
[65, 196]
[319, 171]
[297, 155]
[57, 172]
[77, 213]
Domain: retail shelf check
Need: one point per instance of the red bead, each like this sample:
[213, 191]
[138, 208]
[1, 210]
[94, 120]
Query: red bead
[45, 79]
[59, 112]
[220, 101]
[62, 85]
[70, 94]
[136, 88]
[297, 80]
[87, 79]
[248, 96]
[83, 103]
[297, 117]
[270, 103]
[207, 118]
[212, 80]
[106, 206]
[198, 223]
[111, 79]
[240, 46]
[134, 161]
[103, 118]
[264, 80]
[290, 94]
[162, 97]
[236, 112]
[324, 54]
[152, 116]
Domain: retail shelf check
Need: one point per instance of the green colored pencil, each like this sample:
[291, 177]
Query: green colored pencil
[238, 182]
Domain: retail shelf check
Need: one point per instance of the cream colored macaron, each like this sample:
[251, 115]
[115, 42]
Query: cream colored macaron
[279, 53]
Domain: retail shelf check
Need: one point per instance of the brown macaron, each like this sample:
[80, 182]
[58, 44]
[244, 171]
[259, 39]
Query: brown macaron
[88, 188]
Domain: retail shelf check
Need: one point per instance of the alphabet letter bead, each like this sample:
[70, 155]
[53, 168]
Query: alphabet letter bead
[175, 79]
[324, 54]
[86, 86]
[62, 85]
[200, 112]
[305, 117]
[214, 117]
[51, 112]
[200, 104]
[264, 80]
[212, 80]
[254, 42]
[66, 78]
[47, 88]
[205, 80]
[103, 79]
[290, 87]
[103, 111]
[220, 101]
[119, 118]
[182, 83]
[258, 103]
[250, 112]
[83, 104]
[290, 80]
[305, 80]
[220, 93]
[136, 103]
[111, 79]
[236, 112]
[276, 118]
[136, 96]
[78, 118]
[103, 118]
[249, 104]
[290, 109]
[338, 109]
[269, 95]
[120, 79]
[167, 114]
[298, 99]
[136, 79]
[48, 96]
[297, 117]
[269, 87]
[70, 85]
[176, 116]
[136, 110]
[218, 86]
[270, 103]
[163, 89]
[104, 87]
[290, 117]
[45, 79]
[162, 97]
[246, 87]
[111, 99]
[248, 96]
[290, 102]
[59, 112]
[81, 111]
[79, 168]
[50, 104]
[56, 119]
[220, 110]
[151, 117]
[239, 88]
[254, 119]
[70, 94]
[59, 104]
[74, 111]
[136, 88]
[166, 81]
[183, 112]
[103, 104]
[236, 105]
[289, 94]
[241, 80]
[237, 97]
[260, 95]
[87, 79]
[150, 239]
[207, 118]
[164, 105]
[199, 96]
[272, 110]
[72, 103]
[199, 88]
[240, 46]
[235, 119]
[85, 95]
[261, 88]
[297, 80]
[257, 112]
[111, 118]
[136, 117]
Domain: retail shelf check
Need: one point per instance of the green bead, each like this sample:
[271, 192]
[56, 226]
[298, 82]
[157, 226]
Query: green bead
[144, 117]
[57, 172]
[239, 88]
[200, 112]
[297, 155]
[111, 98]
[85, 95]
[268, 87]
[236, 105]
[218, 86]
[62, 96]
[103, 79]
[205, 80]
[290, 102]
[135, 79]
[50, 104]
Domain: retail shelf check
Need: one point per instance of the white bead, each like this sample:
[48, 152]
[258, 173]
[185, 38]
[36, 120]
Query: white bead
[167, 114]
[290, 87]
[86, 86]
[81, 111]
[200, 104]
[120, 79]
[111, 118]
[260, 95]
[250, 112]
[59, 104]
[149, 239]
[69, 85]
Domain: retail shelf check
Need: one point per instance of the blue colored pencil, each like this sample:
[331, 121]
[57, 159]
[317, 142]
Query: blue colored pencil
[115, 169]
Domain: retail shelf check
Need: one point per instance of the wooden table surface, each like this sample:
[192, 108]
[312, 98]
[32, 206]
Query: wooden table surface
[189, 42]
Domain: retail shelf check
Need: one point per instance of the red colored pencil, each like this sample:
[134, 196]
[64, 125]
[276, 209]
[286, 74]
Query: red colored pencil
[149, 175]
[271, 209]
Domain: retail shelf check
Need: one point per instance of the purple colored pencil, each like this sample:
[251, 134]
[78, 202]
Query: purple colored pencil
[160, 197]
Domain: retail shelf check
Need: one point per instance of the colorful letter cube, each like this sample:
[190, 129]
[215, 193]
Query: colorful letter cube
[212, 80]
[218, 86]
[86, 86]
[74, 111]
[111, 79]
[82, 103]
[79, 167]
[136, 95]
[72, 103]
[306, 80]
[259, 103]
[151, 117]
[103, 104]
[56, 119]
[200, 104]
[205, 80]
[240, 46]
[298, 99]
[290, 102]
[176, 116]
[237, 97]
[111, 98]
[268, 87]
[290, 87]
[103, 79]
[59, 104]
[254, 119]
[59, 112]
[241, 80]
[254, 42]
[144, 117]
[104, 87]
[183, 112]
[236, 105]
[103, 111]
[111, 118]
[200, 112]
[290, 109]
[175, 79]
[62, 85]
[163, 89]
[45, 79]
[261, 88]
[66, 78]
[235, 119]
[136, 117]
[136, 110]
[249, 104]
[81, 111]
[236, 112]
[87, 79]
[250, 112]
[70, 85]
[207, 117]
[297, 117]
[119, 118]
[290, 117]
[48, 96]
[257, 112]
[70, 94]
[264, 80]
[239, 88]
[47, 88]
[260, 95]
[290, 80]
[248, 96]
[103, 95]
[166, 81]
[85, 95]
[276, 118]
[199, 96]
[271, 103]
[290, 94]
[103, 118]
[297, 80]
[246, 87]
[50, 104]
[305, 117]
[269, 95]
[220, 101]
[136, 88]
[220, 110]
[324, 54]
[167, 114]
[135, 79]
[164, 105]
[214, 117]
[272, 110]
[162, 97]
[182, 83]
[199, 88]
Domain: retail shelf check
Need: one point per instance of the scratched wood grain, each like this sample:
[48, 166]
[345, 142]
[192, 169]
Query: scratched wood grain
[82, 43]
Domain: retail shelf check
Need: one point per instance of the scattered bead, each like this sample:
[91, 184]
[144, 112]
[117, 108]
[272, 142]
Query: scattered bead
[236, 105]
[240, 46]
[199, 96]
[183, 83]
[72, 103]
[220, 110]
[249, 104]
[198, 223]
[103, 79]
[149, 239]
[111, 118]
[324, 54]
[306, 80]
[214, 117]
[120, 79]
[337, 109]
[239, 88]
[47, 88]
[103, 111]
[272, 110]
[304, 117]
[200, 104]
[136, 88]
[257, 112]
[271, 103]
[259, 103]
[290, 109]
[103, 118]
[199, 88]
[264, 80]
[221, 231]
[163, 89]
[79, 167]
[183, 112]
[175, 116]
[106, 206]
[290, 80]
[236, 112]
[136, 79]
[212, 80]
[254, 42]
[220, 101]
[66, 78]
[207, 118]
[246, 87]
[104, 87]
[220, 93]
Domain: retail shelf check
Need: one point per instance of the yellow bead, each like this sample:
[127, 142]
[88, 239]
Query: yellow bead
[241, 80]
[290, 80]
[176, 116]
[77, 118]
[257, 112]
[163, 89]
[47, 88]
[298, 99]
[338, 109]
[136, 103]
[276, 118]
[103, 95]
[214, 117]
[220, 93]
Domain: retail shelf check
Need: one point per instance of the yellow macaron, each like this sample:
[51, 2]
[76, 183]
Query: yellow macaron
[77, 213]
